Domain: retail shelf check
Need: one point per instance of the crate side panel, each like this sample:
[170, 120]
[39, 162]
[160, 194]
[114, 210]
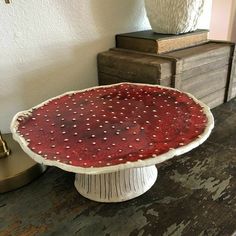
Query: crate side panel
[134, 68]
[214, 99]
[201, 55]
[207, 83]
[105, 79]
[205, 68]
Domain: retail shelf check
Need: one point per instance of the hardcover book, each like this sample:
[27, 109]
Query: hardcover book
[148, 41]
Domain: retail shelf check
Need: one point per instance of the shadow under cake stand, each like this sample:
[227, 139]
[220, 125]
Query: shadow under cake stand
[113, 136]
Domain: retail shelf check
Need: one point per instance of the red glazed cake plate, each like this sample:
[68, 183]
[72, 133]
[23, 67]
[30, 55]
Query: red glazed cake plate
[112, 136]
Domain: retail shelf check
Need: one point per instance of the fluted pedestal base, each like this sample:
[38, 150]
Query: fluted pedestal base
[117, 186]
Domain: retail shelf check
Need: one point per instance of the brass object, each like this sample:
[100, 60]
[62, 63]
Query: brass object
[7, 1]
[16, 169]
[4, 150]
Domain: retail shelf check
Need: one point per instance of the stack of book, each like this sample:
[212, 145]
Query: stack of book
[189, 62]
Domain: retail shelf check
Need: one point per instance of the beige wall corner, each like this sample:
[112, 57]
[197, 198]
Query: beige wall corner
[221, 19]
[232, 27]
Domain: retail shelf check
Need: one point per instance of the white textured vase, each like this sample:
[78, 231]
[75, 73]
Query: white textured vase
[174, 16]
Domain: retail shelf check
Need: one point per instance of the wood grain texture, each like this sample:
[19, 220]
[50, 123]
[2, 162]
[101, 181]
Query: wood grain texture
[234, 69]
[206, 83]
[220, 62]
[105, 78]
[214, 99]
[232, 75]
[233, 91]
[201, 55]
[133, 66]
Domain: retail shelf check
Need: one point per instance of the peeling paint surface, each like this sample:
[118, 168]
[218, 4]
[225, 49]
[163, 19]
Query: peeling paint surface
[176, 229]
[195, 194]
[193, 180]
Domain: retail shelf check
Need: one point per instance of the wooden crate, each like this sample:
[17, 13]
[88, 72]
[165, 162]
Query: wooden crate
[119, 65]
[203, 70]
[231, 92]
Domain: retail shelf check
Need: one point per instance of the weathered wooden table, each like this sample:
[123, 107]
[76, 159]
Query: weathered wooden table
[195, 194]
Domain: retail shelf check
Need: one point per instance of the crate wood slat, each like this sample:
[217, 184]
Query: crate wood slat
[224, 48]
[112, 79]
[171, 70]
[232, 75]
[218, 63]
[233, 92]
[217, 79]
[133, 66]
[234, 71]
[200, 55]
[214, 99]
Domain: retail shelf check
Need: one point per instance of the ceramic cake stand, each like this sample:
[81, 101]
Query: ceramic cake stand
[112, 136]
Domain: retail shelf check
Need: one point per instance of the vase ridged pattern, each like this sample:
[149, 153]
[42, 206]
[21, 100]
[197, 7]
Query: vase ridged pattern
[174, 16]
[117, 186]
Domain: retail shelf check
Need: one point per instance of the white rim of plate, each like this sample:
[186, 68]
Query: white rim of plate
[155, 159]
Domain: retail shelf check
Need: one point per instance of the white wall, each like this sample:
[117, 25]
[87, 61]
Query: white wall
[49, 46]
